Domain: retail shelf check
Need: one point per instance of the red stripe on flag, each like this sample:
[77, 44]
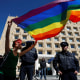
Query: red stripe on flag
[74, 18]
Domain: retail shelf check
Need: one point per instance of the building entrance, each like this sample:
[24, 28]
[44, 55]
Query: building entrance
[48, 71]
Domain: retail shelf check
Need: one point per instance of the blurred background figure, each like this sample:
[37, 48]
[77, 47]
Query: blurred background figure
[43, 68]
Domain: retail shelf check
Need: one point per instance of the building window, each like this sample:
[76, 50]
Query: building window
[69, 21]
[48, 52]
[48, 39]
[57, 52]
[16, 36]
[76, 34]
[71, 40]
[74, 53]
[49, 45]
[56, 39]
[25, 31]
[32, 38]
[24, 37]
[78, 46]
[68, 28]
[69, 33]
[17, 30]
[72, 46]
[40, 52]
[63, 39]
[62, 33]
[40, 45]
[56, 45]
[75, 29]
[78, 40]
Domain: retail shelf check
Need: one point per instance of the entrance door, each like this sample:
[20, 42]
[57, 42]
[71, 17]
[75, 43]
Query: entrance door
[48, 71]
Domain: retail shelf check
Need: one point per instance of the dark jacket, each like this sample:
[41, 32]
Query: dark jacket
[66, 61]
[1, 59]
[43, 64]
[30, 57]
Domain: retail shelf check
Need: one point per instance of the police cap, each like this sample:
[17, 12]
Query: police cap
[63, 44]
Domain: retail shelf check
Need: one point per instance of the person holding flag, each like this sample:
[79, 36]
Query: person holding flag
[8, 69]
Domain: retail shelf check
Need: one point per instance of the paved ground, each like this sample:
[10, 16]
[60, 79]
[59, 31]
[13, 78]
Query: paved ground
[49, 78]
[54, 78]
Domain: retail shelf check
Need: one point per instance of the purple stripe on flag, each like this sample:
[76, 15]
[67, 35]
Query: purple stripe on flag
[38, 10]
[59, 1]
[34, 12]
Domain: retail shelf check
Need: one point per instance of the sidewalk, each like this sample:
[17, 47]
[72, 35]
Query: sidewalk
[50, 77]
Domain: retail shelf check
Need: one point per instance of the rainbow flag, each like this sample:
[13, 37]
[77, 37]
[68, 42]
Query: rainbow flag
[58, 1]
[75, 16]
[47, 21]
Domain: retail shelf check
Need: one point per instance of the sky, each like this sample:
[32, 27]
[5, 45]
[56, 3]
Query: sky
[17, 8]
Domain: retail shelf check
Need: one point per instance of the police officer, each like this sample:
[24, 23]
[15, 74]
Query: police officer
[66, 64]
[28, 62]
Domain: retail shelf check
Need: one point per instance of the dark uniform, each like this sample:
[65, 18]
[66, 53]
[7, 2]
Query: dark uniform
[28, 62]
[1, 73]
[67, 64]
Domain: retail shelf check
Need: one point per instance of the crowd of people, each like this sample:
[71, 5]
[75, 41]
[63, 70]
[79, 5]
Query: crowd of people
[65, 63]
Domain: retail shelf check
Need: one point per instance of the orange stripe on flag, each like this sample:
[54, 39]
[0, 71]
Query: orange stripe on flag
[76, 13]
[49, 33]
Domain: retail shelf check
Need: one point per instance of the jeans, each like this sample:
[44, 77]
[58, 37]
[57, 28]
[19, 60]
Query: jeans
[43, 72]
[26, 70]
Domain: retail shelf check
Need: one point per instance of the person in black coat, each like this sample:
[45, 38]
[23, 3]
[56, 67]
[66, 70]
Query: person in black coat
[1, 59]
[43, 68]
[66, 64]
[28, 62]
